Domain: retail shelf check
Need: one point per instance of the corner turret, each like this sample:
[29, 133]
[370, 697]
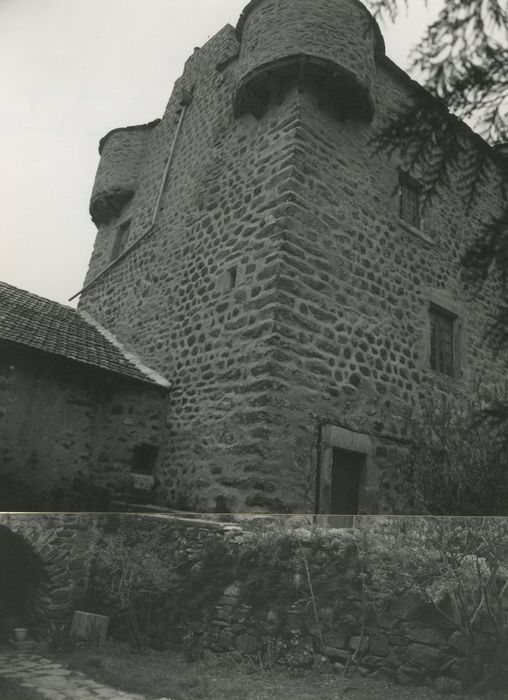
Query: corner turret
[122, 151]
[326, 45]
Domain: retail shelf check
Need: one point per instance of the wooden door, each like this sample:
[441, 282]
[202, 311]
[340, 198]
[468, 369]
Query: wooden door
[347, 470]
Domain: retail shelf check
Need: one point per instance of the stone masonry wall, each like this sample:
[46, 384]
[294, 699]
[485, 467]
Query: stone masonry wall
[64, 544]
[171, 297]
[356, 282]
[341, 33]
[117, 177]
[250, 588]
[246, 589]
[279, 289]
[60, 422]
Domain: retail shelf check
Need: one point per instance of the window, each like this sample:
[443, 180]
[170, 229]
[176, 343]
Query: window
[144, 458]
[121, 237]
[231, 279]
[442, 345]
[409, 199]
[228, 279]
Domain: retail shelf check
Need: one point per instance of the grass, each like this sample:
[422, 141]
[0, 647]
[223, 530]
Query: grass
[226, 677]
[12, 690]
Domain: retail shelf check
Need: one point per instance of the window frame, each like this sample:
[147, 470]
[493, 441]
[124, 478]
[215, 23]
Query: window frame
[121, 237]
[151, 458]
[444, 320]
[410, 213]
[232, 276]
[335, 437]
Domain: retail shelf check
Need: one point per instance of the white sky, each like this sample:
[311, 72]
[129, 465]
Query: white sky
[71, 70]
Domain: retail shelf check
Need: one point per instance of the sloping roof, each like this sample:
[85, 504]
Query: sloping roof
[46, 325]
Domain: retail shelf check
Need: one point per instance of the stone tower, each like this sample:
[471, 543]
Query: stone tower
[254, 249]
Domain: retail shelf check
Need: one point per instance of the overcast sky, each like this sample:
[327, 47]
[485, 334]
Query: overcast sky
[71, 70]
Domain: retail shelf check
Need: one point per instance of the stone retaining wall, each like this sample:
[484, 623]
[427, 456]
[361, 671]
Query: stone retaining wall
[246, 589]
[281, 594]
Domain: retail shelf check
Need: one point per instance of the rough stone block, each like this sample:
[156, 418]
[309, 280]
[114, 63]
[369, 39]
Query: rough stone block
[448, 686]
[423, 655]
[428, 636]
[409, 675]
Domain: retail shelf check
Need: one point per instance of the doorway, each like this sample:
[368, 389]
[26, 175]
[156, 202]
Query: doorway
[347, 472]
[21, 574]
[346, 480]
[347, 468]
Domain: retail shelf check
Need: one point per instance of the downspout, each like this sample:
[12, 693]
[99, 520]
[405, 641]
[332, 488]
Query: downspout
[184, 102]
[317, 500]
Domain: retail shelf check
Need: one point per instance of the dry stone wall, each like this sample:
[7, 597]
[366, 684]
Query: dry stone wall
[279, 290]
[246, 589]
[288, 595]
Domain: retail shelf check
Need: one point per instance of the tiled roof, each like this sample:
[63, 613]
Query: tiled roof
[46, 325]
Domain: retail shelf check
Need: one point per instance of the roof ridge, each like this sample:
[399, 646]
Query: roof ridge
[128, 354]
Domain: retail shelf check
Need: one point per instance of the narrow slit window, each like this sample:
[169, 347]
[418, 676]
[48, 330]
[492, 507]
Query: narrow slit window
[121, 238]
[409, 200]
[231, 277]
[144, 458]
[442, 348]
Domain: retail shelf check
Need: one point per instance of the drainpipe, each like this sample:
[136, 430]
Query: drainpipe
[184, 102]
[317, 500]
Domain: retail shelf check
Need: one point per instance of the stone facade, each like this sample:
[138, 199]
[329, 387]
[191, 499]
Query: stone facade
[276, 285]
[68, 431]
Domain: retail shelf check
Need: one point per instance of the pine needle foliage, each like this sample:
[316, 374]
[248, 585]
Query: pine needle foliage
[462, 58]
[462, 62]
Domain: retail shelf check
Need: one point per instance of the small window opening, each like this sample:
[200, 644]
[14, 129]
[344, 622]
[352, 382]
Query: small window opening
[121, 237]
[442, 348]
[409, 200]
[231, 277]
[144, 458]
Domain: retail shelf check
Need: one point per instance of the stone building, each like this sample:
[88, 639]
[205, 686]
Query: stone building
[80, 417]
[254, 248]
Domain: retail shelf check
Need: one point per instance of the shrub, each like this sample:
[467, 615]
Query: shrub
[456, 567]
[457, 464]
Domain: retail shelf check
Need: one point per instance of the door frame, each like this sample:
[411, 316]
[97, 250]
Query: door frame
[333, 436]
